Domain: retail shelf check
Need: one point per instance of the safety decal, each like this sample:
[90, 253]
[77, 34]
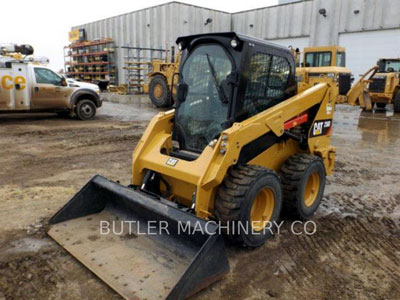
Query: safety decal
[172, 162]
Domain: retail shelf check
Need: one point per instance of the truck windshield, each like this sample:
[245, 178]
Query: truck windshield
[201, 117]
[318, 59]
[388, 66]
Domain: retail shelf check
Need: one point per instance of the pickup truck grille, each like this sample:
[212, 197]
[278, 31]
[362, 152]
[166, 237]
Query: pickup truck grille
[377, 85]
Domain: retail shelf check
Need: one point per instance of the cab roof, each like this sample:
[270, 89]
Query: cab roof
[233, 35]
[331, 48]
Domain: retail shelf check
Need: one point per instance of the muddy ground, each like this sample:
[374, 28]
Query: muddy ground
[354, 253]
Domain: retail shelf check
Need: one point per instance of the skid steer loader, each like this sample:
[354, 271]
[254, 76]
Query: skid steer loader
[240, 145]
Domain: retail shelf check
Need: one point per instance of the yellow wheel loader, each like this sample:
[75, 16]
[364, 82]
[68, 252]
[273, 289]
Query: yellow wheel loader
[160, 81]
[385, 86]
[328, 64]
[240, 146]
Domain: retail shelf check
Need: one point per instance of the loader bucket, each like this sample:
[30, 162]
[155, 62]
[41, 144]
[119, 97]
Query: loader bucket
[152, 250]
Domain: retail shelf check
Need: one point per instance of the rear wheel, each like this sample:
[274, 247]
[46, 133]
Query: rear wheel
[159, 91]
[303, 182]
[396, 103]
[85, 109]
[248, 202]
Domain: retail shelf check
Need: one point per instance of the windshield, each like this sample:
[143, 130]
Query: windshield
[318, 59]
[201, 117]
[388, 66]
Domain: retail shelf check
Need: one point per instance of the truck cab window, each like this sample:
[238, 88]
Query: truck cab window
[43, 75]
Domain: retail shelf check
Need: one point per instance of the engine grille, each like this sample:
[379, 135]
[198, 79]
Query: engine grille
[377, 85]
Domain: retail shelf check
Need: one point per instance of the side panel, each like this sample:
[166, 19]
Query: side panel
[7, 101]
[21, 89]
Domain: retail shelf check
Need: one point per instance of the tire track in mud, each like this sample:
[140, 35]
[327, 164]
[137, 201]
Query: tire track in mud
[345, 258]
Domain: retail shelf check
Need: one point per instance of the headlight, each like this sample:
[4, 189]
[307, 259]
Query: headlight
[180, 46]
[234, 43]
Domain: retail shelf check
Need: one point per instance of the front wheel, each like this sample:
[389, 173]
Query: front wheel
[85, 110]
[248, 204]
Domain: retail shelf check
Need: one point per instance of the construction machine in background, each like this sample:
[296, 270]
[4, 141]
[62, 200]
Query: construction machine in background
[159, 84]
[385, 86]
[328, 64]
[241, 145]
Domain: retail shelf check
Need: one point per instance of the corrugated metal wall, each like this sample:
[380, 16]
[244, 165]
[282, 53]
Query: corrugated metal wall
[156, 27]
[300, 21]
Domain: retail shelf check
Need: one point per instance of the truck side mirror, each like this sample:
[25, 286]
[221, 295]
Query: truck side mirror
[64, 82]
[181, 91]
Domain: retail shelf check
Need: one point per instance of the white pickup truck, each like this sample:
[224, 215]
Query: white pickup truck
[27, 87]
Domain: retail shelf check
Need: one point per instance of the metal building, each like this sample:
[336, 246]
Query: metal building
[156, 27]
[369, 29]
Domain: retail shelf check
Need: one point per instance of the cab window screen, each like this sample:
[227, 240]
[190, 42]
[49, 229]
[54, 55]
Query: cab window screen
[268, 77]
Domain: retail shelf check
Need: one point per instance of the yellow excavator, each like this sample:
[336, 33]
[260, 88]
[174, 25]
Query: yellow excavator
[241, 145]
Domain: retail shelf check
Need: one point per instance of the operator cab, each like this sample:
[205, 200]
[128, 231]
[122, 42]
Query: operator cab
[226, 78]
[324, 56]
[389, 65]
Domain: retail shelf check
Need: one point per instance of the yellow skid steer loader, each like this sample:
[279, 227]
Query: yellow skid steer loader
[240, 146]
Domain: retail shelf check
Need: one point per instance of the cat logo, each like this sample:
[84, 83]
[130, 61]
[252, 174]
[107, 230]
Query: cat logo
[321, 127]
[172, 162]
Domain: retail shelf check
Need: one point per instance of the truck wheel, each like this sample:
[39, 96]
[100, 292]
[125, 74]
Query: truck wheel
[85, 110]
[396, 103]
[248, 201]
[380, 105]
[303, 181]
[159, 91]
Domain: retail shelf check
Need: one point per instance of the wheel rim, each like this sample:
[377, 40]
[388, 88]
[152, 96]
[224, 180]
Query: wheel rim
[262, 209]
[158, 91]
[312, 189]
[87, 110]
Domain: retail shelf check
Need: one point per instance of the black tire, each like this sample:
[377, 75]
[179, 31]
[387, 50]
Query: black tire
[380, 105]
[159, 91]
[297, 173]
[396, 103]
[234, 201]
[85, 110]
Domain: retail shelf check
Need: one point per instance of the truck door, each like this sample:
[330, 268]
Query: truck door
[21, 90]
[47, 90]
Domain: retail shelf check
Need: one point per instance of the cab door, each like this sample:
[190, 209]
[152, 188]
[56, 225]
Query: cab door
[48, 90]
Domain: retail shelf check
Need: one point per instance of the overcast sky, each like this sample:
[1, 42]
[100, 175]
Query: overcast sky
[45, 23]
